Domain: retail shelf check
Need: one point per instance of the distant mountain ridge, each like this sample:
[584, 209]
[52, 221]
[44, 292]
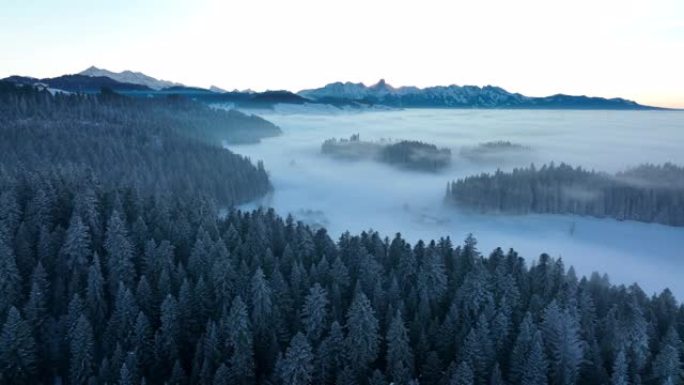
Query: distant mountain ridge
[347, 94]
[93, 83]
[130, 77]
[78, 83]
[454, 96]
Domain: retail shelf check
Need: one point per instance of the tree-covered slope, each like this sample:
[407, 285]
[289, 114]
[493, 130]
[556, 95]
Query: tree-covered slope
[647, 193]
[108, 286]
[169, 146]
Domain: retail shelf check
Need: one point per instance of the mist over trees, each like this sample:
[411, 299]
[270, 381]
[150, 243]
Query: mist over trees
[407, 154]
[167, 146]
[648, 193]
[351, 149]
[498, 152]
[109, 286]
[416, 155]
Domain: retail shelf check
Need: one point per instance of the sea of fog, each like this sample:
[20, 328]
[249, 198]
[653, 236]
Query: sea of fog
[357, 196]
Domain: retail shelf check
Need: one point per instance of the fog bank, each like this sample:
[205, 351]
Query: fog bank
[360, 195]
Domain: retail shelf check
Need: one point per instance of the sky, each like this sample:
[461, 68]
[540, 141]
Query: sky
[611, 48]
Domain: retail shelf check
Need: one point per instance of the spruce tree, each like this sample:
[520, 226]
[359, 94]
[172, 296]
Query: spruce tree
[17, 350]
[315, 313]
[82, 347]
[239, 340]
[362, 341]
[399, 355]
[296, 368]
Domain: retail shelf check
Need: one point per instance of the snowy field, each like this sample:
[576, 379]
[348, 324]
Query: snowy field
[356, 196]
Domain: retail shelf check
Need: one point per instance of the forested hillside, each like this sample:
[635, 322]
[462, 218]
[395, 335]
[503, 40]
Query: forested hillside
[109, 286]
[170, 146]
[647, 193]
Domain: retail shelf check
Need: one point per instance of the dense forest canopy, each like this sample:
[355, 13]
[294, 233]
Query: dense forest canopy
[159, 146]
[647, 193]
[108, 286]
[408, 154]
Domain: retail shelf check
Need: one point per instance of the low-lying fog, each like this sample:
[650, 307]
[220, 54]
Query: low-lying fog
[360, 195]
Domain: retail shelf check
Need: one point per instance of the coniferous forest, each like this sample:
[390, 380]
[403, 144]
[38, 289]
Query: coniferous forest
[647, 193]
[115, 268]
[106, 286]
[159, 146]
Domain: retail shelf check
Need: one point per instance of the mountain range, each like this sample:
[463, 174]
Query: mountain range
[348, 94]
[454, 96]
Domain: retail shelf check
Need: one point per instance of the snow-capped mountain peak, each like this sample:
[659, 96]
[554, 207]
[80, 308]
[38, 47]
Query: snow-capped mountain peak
[130, 77]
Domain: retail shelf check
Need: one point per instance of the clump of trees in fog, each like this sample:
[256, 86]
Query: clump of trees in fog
[407, 154]
[648, 193]
[110, 286]
[351, 149]
[498, 151]
[169, 146]
[416, 155]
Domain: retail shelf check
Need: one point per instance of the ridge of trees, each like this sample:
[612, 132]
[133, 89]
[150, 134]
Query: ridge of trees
[169, 146]
[647, 193]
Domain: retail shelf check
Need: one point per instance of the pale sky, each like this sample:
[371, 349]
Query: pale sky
[627, 48]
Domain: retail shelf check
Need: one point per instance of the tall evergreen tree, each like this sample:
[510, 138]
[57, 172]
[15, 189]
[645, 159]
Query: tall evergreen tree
[315, 313]
[399, 355]
[17, 350]
[462, 375]
[119, 253]
[566, 349]
[82, 346]
[362, 341]
[667, 366]
[619, 375]
[10, 280]
[262, 306]
[239, 339]
[536, 366]
[297, 366]
[76, 248]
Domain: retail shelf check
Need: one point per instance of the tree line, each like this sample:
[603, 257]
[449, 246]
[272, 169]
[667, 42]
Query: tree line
[647, 193]
[107, 285]
[161, 146]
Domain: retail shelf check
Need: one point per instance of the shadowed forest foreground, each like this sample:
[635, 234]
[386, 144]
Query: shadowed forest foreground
[111, 286]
